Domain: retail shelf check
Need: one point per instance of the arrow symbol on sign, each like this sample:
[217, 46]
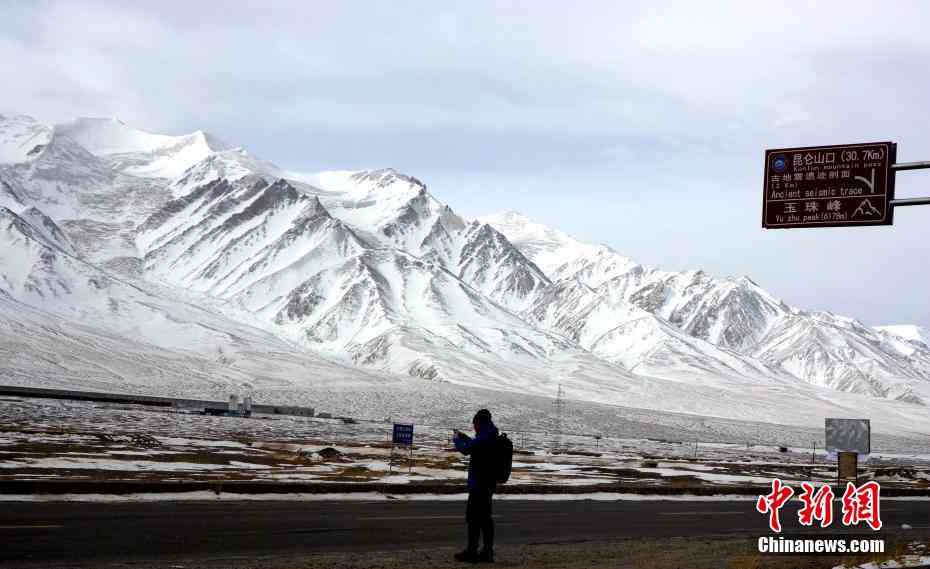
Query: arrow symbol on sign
[870, 184]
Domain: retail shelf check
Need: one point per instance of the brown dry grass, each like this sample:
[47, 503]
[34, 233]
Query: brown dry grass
[355, 473]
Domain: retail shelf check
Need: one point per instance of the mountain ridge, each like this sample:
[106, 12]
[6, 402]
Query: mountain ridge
[370, 269]
[732, 313]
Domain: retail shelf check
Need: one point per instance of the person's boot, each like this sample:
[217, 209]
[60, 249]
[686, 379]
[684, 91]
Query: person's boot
[467, 556]
[486, 556]
[470, 554]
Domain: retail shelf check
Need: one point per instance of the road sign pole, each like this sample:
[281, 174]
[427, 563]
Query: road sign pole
[847, 467]
[910, 201]
[909, 166]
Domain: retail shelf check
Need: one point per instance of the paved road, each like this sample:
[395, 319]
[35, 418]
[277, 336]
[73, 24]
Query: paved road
[88, 532]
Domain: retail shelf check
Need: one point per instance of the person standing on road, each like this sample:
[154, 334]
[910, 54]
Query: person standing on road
[482, 481]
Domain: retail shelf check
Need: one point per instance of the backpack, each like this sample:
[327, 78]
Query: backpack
[503, 458]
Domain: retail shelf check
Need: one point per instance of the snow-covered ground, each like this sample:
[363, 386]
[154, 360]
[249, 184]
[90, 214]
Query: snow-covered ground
[44, 439]
[912, 554]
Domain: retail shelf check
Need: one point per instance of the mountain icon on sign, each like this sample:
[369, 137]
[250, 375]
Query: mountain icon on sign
[866, 209]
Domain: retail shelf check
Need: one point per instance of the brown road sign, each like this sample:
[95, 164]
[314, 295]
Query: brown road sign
[829, 186]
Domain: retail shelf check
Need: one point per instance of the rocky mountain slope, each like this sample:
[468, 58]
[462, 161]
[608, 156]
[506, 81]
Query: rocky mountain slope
[732, 314]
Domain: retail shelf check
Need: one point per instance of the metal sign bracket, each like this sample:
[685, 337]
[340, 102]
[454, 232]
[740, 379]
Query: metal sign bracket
[909, 166]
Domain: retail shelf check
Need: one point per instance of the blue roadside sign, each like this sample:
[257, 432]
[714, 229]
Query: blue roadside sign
[403, 434]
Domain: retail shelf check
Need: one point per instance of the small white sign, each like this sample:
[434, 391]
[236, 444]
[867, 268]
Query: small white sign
[848, 435]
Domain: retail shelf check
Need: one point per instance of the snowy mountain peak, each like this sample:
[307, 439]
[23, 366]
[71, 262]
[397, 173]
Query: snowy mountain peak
[63, 159]
[20, 137]
[384, 178]
[107, 136]
[558, 254]
[138, 152]
[521, 225]
[232, 164]
[908, 332]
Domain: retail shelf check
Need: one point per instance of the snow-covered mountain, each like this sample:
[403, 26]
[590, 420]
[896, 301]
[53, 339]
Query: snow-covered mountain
[640, 341]
[189, 248]
[909, 333]
[390, 209]
[21, 136]
[352, 288]
[732, 314]
[139, 153]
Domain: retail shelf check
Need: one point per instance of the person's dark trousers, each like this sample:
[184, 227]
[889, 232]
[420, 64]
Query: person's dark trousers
[478, 518]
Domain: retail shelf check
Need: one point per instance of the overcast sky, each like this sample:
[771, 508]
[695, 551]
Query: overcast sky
[641, 126]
